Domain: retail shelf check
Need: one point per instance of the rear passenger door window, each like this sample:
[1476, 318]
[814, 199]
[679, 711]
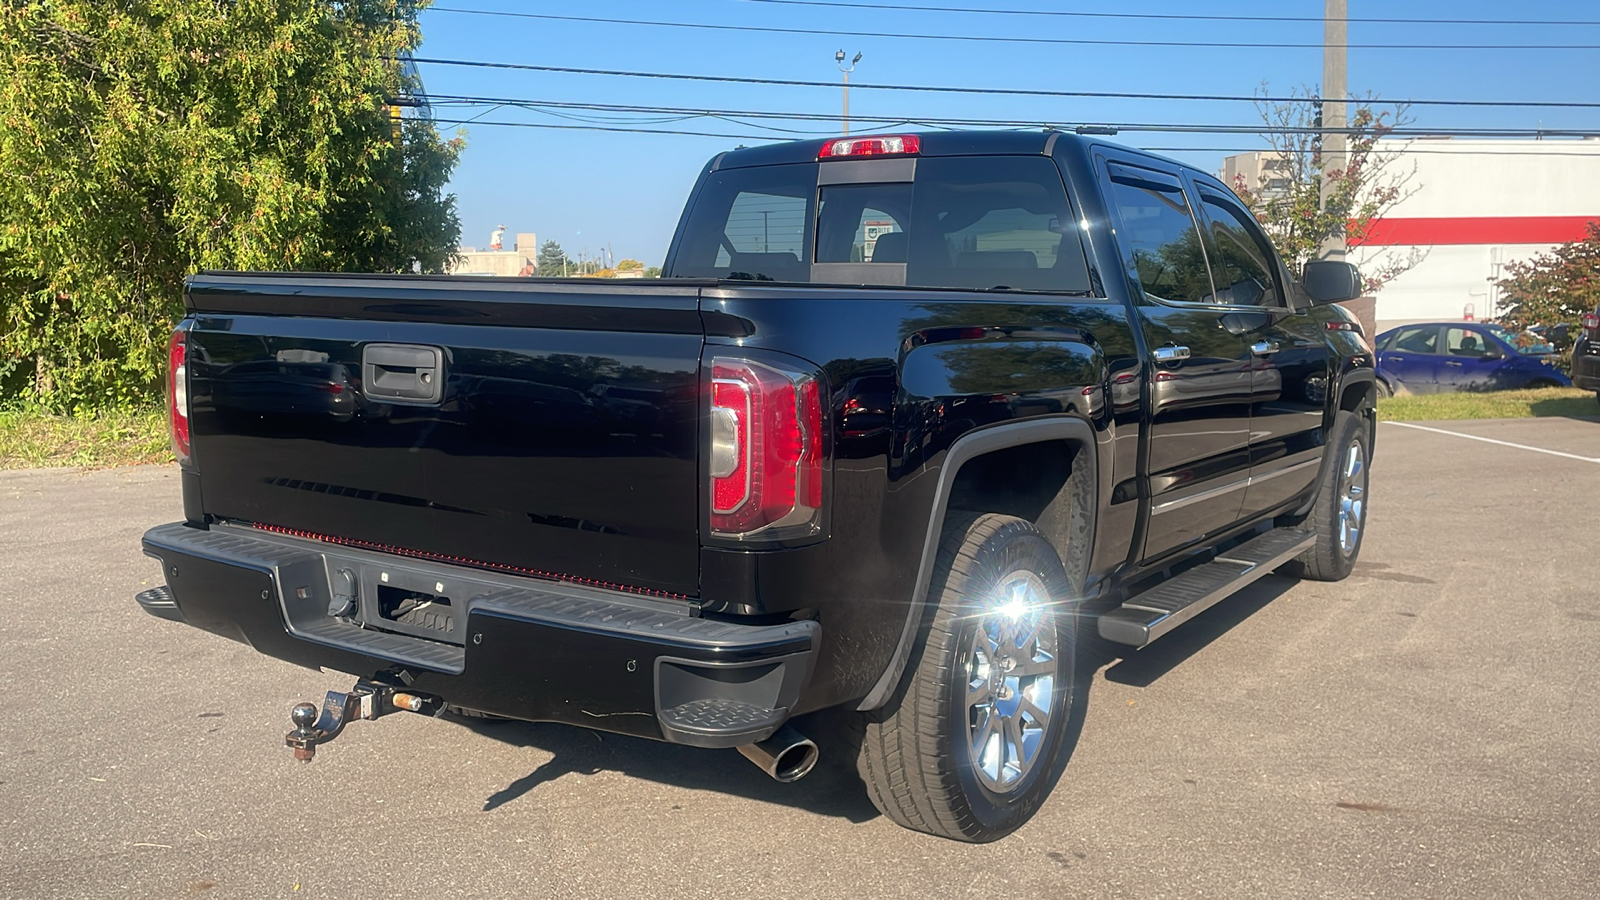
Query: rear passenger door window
[1420, 339]
[1159, 231]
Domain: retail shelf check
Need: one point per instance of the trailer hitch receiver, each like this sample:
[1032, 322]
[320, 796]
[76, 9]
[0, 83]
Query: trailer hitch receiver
[367, 700]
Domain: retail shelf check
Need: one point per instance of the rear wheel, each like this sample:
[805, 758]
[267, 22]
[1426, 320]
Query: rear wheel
[1339, 517]
[972, 742]
[1384, 391]
[1538, 383]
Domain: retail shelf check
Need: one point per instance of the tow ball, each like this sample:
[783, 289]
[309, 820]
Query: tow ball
[367, 700]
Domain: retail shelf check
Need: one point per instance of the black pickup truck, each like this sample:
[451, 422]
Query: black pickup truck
[905, 413]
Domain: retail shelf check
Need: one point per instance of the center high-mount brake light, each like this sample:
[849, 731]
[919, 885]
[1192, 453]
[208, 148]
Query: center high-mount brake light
[766, 455]
[178, 393]
[883, 145]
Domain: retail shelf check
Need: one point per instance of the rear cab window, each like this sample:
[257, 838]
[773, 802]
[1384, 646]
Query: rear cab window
[1161, 235]
[983, 222]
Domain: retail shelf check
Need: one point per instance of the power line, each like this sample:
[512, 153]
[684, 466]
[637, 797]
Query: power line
[1161, 16]
[1098, 42]
[681, 113]
[617, 128]
[1014, 92]
[759, 137]
[1408, 151]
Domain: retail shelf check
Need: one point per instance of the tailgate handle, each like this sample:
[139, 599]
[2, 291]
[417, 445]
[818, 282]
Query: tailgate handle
[402, 373]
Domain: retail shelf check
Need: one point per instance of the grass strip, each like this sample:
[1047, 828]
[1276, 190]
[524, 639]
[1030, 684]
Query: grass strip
[94, 441]
[1529, 404]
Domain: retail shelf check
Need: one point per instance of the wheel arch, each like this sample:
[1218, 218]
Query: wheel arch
[1358, 395]
[1066, 516]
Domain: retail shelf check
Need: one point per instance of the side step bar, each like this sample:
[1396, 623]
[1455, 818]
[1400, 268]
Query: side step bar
[1175, 601]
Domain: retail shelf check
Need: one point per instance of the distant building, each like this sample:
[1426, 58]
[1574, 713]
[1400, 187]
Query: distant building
[519, 260]
[1264, 173]
[1476, 206]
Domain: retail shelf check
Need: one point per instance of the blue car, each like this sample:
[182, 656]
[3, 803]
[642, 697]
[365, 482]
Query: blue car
[1445, 357]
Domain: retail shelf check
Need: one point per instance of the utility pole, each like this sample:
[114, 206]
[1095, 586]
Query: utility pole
[838, 58]
[1335, 61]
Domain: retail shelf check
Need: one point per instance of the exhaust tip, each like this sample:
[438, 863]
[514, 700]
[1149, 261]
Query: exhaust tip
[787, 756]
[796, 762]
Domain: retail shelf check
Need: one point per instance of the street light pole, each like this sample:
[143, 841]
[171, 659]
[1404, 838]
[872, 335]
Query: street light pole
[838, 58]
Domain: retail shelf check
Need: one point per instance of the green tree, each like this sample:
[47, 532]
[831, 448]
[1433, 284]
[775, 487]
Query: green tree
[628, 265]
[145, 139]
[552, 261]
[1554, 288]
[1360, 192]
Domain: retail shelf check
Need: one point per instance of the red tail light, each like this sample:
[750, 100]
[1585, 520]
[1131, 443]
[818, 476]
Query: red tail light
[766, 453]
[1591, 324]
[178, 393]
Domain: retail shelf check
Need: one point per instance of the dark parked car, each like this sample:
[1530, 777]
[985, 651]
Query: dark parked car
[1445, 357]
[1586, 355]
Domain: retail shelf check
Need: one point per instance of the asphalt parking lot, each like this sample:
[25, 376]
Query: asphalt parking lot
[1428, 728]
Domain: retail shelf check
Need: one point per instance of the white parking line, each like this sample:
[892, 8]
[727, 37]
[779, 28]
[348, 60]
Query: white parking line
[1473, 437]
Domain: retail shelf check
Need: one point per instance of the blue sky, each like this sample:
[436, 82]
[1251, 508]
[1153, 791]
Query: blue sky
[590, 189]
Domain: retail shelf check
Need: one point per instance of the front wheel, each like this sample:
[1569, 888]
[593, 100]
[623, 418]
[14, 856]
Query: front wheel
[973, 741]
[1339, 517]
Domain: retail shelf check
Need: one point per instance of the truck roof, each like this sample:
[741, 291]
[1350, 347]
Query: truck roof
[934, 143]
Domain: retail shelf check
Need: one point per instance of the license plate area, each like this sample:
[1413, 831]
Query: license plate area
[409, 601]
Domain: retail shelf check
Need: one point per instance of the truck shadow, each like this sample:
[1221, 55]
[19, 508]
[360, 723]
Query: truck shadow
[833, 788]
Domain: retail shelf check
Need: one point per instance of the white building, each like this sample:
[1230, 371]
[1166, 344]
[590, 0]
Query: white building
[1475, 206]
[1478, 204]
[519, 260]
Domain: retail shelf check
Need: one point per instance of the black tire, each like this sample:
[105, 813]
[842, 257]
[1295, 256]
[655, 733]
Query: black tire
[1540, 383]
[916, 756]
[1384, 391]
[1335, 552]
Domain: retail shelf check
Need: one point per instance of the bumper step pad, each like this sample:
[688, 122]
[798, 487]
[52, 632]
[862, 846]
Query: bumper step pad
[717, 717]
[1169, 604]
[158, 602]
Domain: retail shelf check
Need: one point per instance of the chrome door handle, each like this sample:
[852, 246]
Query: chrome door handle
[1264, 348]
[1451, 362]
[1171, 353]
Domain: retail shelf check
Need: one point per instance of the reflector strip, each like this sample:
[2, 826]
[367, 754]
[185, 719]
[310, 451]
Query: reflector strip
[463, 561]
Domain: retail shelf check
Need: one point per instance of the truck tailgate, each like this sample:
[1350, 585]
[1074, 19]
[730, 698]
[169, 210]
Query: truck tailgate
[562, 440]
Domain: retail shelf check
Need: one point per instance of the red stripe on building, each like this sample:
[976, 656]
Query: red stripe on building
[1475, 230]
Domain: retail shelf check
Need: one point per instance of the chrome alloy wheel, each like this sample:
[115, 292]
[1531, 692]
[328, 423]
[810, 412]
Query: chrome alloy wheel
[1352, 498]
[1011, 667]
